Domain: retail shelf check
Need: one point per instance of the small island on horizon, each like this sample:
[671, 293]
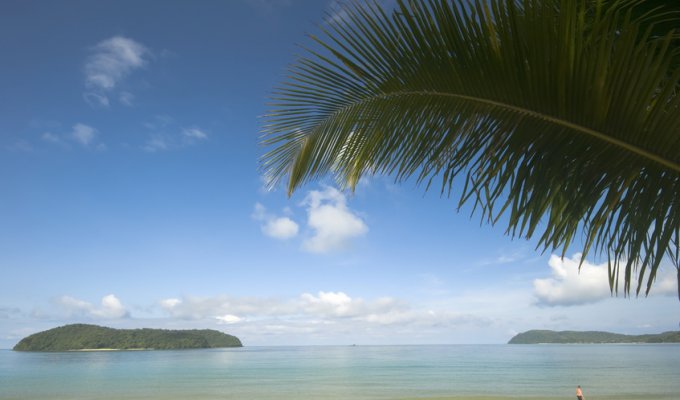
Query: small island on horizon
[591, 337]
[85, 337]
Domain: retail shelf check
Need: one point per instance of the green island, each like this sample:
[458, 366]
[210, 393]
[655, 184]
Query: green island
[547, 336]
[84, 337]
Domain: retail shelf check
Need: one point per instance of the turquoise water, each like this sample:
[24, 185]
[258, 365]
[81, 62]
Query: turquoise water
[361, 372]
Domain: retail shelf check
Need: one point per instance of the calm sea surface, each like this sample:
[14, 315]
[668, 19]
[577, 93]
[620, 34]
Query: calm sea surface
[361, 372]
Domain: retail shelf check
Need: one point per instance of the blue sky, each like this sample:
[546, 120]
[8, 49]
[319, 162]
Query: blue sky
[131, 197]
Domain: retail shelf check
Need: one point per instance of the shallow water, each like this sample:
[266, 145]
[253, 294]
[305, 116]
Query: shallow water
[361, 372]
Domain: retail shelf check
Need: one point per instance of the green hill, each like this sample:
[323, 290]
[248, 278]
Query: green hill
[83, 336]
[545, 336]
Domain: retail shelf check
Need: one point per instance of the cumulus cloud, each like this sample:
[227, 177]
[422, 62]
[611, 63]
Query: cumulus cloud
[110, 307]
[228, 319]
[325, 308]
[280, 228]
[170, 303]
[277, 227]
[339, 304]
[568, 286]
[381, 311]
[330, 303]
[195, 308]
[112, 60]
[333, 224]
[666, 283]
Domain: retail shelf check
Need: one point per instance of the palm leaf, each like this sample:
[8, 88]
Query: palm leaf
[562, 115]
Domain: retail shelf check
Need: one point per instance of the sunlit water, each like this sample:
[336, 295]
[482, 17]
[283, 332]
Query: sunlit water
[361, 372]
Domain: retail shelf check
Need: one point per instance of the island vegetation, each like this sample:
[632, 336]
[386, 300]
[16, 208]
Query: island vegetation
[92, 337]
[547, 336]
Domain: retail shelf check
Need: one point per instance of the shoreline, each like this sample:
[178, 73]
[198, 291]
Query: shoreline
[482, 397]
[108, 349]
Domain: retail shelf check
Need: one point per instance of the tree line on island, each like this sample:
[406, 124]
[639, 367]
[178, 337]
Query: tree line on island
[547, 336]
[93, 337]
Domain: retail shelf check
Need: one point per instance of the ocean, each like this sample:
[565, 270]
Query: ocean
[621, 372]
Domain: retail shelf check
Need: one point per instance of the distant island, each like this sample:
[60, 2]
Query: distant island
[82, 337]
[546, 336]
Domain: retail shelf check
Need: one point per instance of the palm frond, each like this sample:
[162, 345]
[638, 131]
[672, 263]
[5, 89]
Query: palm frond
[561, 114]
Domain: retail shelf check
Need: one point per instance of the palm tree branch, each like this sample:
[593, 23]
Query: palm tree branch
[599, 135]
[563, 115]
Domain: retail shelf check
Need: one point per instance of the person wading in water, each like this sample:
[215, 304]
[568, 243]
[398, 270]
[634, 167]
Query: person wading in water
[579, 392]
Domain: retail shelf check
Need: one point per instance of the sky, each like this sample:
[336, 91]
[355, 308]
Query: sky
[131, 196]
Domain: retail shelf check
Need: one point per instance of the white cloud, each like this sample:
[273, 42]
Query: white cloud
[383, 311]
[83, 134]
[330, 303]
[333, 224]
[666, 283]
[111, 307]
[260, 212]
[195, 308]
[274, 226]
[228, 319]
[568, 286]
[194, 134]
[280, 228]
[323, 311]
[166, 135]
[170, 303]
[112, 60]
[340, 305]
